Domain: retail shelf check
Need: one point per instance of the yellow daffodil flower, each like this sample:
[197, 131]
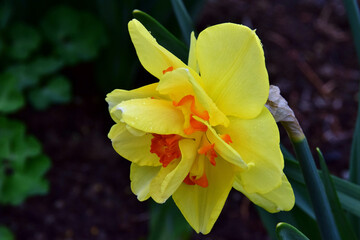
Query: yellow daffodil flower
[203, 128]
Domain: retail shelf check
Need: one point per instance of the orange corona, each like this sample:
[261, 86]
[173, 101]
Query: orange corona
[166, 147]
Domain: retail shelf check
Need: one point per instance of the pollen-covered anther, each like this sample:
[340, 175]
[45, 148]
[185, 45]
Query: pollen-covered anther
[226, 138]
[208, 150]
[169, 69]
[166, 147]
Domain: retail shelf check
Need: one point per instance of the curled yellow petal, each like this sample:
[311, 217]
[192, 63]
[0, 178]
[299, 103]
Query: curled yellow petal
[279, 199]
[119, 95]
[169, 178]
[134, 148]
[141, 177]
[150, 115]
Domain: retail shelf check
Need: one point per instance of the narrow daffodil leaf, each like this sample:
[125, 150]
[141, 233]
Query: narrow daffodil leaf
[184, 19]
[348, 192]
[316, 189]
[162, 35]
[296, 217]
[353, 13]
[345, 229]
[286, 231]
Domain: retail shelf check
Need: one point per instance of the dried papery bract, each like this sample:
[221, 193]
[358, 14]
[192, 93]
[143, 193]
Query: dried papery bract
[282, 113]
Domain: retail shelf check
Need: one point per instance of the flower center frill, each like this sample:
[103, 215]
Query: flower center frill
[166, 147]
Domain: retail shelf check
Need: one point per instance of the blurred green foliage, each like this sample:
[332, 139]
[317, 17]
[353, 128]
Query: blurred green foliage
[75, 36]
[22, 164]
[33, 56]
[6, 234]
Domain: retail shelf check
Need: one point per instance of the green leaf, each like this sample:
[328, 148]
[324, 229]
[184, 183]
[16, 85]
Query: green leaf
[5, 14]
[37, 166]
[22, 164]
[345, 229]
[166, 222]
[17, 187]
[6, 234]
[57, 90]
[316, 189]
[353, 13]
[295, 217]
[285, 231]
[25, 75]
[11, 98]
[184, 19]
[162, 35]
[1, 46]
[77, 36]
[24, 41]
[348, 193]
[46, 65]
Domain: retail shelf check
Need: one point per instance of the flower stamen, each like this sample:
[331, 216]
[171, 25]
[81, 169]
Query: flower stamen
[169, 69]
[226, 138]
[192, 180]
[208, 150]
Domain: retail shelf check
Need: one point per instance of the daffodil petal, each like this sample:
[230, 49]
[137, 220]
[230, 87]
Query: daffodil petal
[280, 199]
[134, 148]
[192, 61]
[150, 115]
[170, 177]
[224, 149]
[232, 67]
[257, 141]
[154, 58]
[175, 84]
[202, 206]
[141, 177]
[119, 95]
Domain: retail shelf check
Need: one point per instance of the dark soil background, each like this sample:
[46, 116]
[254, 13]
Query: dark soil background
[310, 55]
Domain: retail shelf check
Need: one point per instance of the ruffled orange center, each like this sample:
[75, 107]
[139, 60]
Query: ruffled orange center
[166, 147]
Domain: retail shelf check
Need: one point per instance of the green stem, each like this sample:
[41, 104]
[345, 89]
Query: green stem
[316, 189]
